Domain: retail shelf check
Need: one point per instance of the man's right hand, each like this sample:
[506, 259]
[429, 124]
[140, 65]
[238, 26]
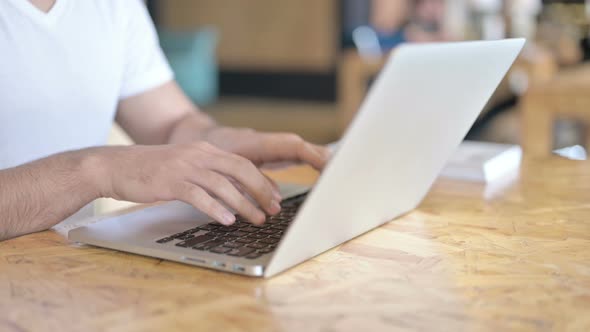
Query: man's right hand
[195, 173]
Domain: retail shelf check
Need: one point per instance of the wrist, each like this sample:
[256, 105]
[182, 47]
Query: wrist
[193, 127]
[94, 171]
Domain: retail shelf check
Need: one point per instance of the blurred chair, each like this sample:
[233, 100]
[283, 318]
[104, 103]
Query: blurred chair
[354, 75]
[535, 64]
[192, 56]
[567, 95]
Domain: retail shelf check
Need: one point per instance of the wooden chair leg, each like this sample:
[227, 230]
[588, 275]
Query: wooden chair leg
[587, 136]
[351, 89]
[537, 126]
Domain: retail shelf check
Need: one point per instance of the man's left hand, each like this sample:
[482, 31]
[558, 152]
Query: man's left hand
[267, 148]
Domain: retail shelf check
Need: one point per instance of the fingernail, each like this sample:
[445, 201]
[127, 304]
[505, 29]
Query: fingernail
[228, 218]
[275, 207]
[260, 219]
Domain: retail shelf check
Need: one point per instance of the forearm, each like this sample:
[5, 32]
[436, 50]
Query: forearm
[162, 115]
[192, 127]
[38, 195]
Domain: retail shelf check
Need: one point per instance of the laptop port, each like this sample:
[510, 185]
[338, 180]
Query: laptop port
[196, 260]
[239, 268]
[218, 264]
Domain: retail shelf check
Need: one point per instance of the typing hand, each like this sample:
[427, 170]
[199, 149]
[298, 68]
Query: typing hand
[267, 148]
[194, 173]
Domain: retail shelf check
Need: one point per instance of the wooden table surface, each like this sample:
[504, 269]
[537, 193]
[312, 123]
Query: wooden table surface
[460, 262]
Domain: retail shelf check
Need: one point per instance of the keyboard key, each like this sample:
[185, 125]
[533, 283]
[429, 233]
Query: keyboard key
[165, 240]
[207, 227]
[269, 231]
[241, 251]
[239, 233]
[213, 244]
[276, 236]
[195, 240]
[257, 245]
[250, 229]
[185, 237]
[217, 231]
[268, 241]
[257, 236]
[233, 245]
[220, 250]
[227, 229]
[227, 238]
[280, 227]
[265, 250]
[245, 240]
[200, 246]
[179, 235]
[254, 255]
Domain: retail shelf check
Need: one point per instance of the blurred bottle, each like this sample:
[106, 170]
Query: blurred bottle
[457, 19]
[388, 19]
[487, 18]
[523, 17]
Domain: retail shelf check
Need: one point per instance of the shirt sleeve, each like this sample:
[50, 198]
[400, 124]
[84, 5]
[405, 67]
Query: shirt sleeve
[145, 66]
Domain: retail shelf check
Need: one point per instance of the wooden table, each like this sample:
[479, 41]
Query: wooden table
[460, 262]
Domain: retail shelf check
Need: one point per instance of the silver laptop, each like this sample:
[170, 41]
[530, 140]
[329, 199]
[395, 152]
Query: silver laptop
[414, 117]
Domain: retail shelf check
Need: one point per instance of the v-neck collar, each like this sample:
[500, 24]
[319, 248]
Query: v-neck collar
[36, 14]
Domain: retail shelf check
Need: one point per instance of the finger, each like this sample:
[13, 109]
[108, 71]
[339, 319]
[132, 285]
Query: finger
[291, 147]
[238, 186]
[250, 177]
[277, 190]
[247, 176]
[201, 200]
[323, 152]
[221, 187]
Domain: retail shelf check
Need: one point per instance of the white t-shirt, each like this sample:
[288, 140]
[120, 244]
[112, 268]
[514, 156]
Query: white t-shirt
[62, 73]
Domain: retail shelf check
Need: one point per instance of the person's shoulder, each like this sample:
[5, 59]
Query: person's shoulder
[116, 9]
[126, 5]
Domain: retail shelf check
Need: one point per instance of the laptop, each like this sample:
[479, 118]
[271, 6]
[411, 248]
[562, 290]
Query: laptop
[416, 113]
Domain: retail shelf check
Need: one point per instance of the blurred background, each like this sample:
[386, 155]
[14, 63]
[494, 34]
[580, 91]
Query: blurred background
[294, 65]
[304, 66]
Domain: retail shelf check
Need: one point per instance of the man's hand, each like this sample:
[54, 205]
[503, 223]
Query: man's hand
[195, 173]
[260, 148]
[265, 148]
[165, 115]
[38, 195]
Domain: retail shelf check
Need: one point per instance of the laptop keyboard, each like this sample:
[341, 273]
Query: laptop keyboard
[242, 239]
